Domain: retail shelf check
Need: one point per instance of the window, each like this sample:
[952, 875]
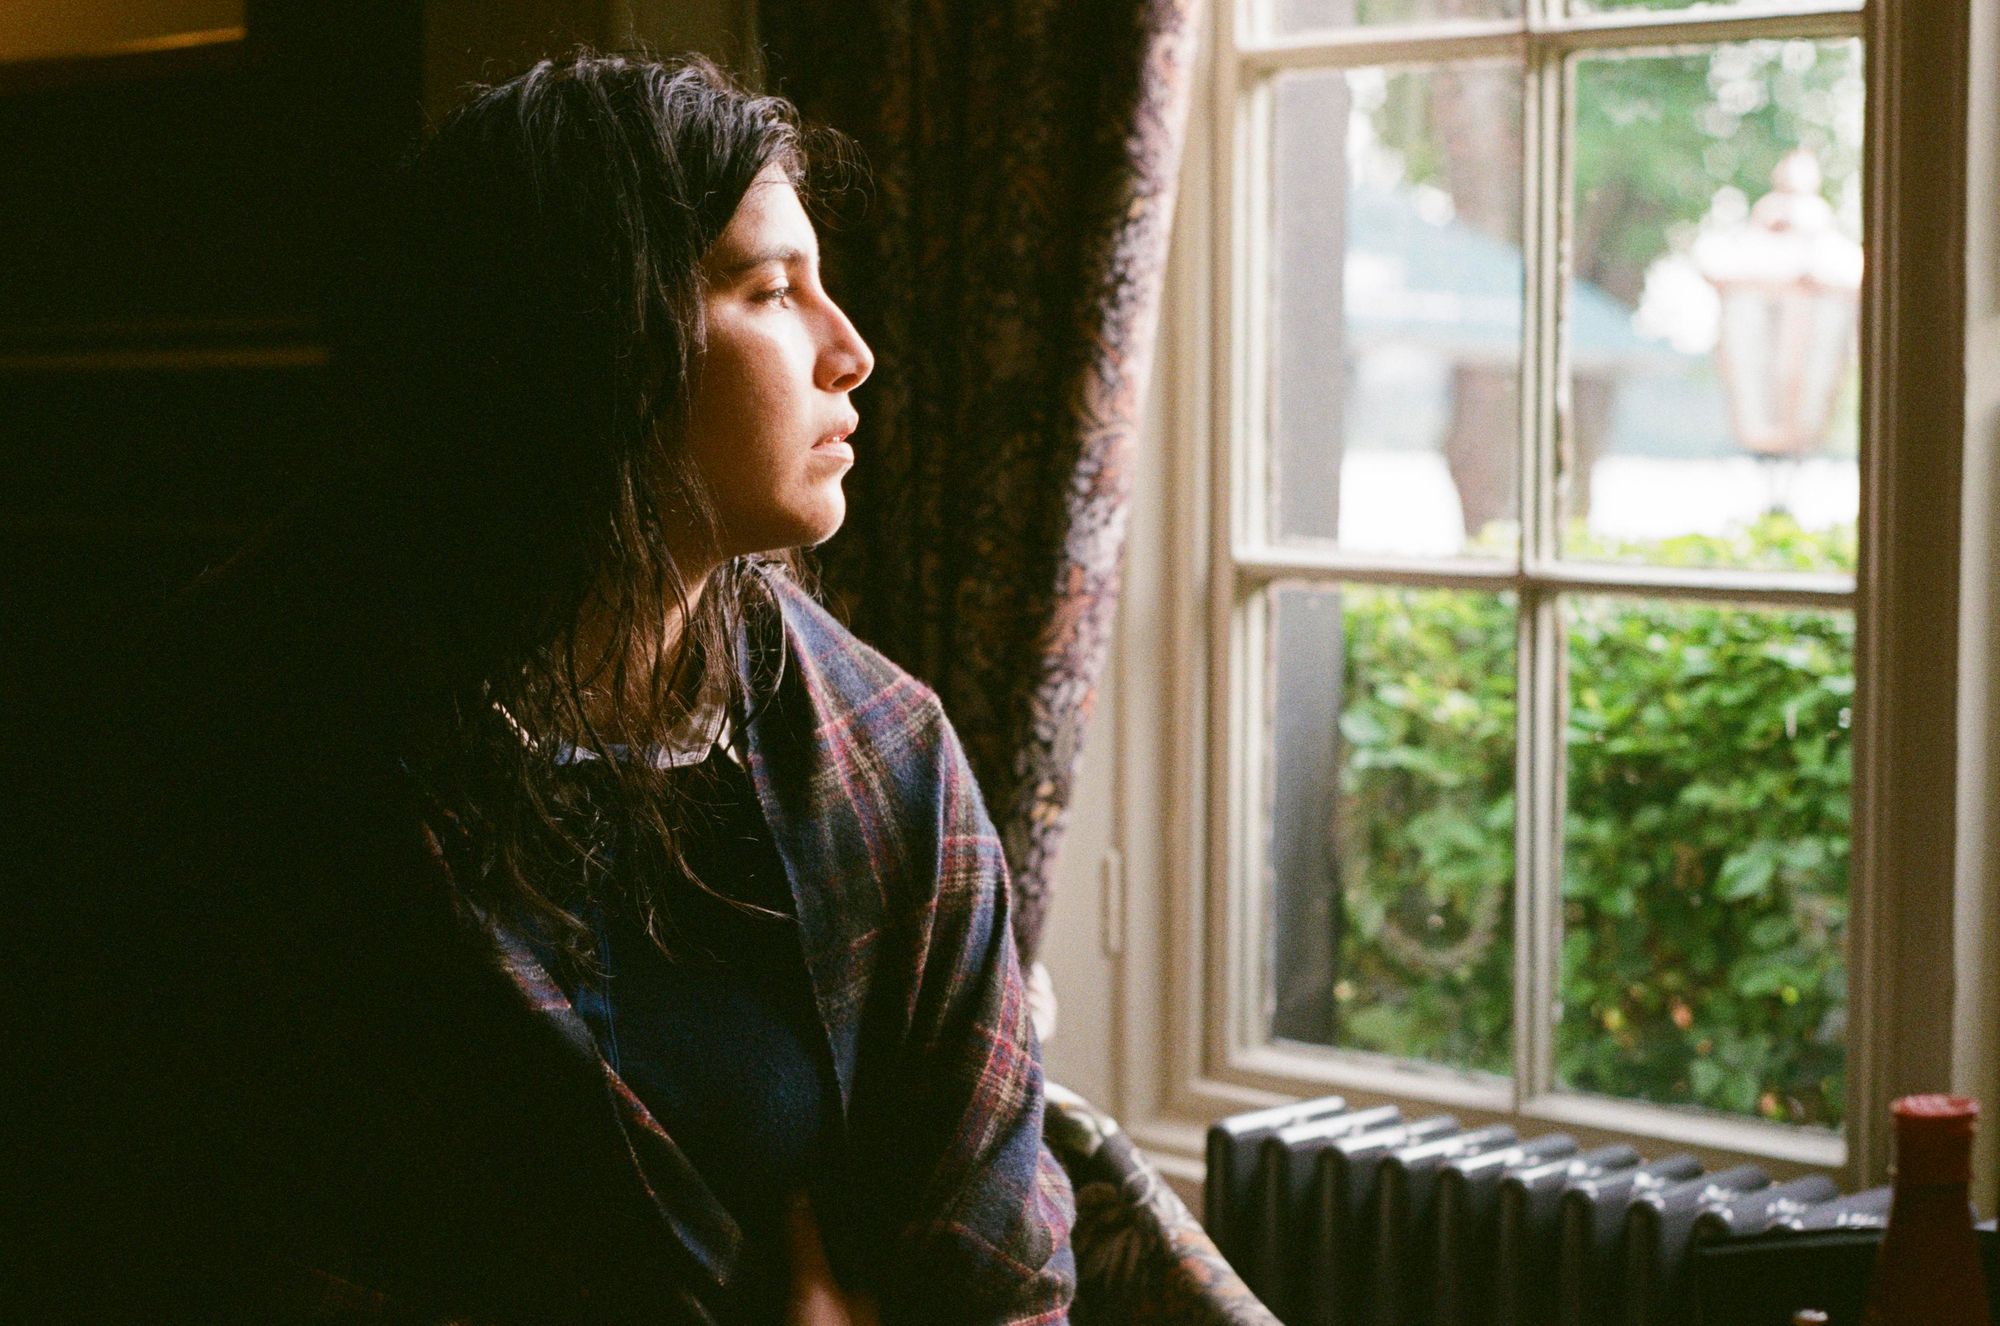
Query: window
[1566, 701]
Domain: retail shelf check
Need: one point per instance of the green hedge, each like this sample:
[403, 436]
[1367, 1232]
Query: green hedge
[1705, 869]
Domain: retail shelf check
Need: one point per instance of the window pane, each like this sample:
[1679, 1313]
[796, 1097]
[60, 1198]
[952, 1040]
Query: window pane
[1713, 308]
[1391, 821]
[1706, 856]
[1396, 308]
[1290, 17]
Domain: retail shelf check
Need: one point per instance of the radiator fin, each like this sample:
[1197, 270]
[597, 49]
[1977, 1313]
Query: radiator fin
[1361, 1217]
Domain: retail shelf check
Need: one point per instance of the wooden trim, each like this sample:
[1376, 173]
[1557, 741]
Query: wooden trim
[1261, 566]
[1162, 824]
[1174, 1137]
[1913, 407]
[170, 41]
[1304, 562]
[170, 56]
[1232, 255]
[162, 345]
[1538, 640]
[1377, 1077]
[1654, 28]
[1352, 47]
[1533, 37]
[1797, 589]
[1813, 1149]
[1976, 1047]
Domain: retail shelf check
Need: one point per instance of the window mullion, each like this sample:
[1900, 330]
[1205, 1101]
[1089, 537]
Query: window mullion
[1538, 808]
[1779, 589]
[1538, 851]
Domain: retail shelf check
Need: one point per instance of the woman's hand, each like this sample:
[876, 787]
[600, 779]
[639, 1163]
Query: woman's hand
[816, 1298]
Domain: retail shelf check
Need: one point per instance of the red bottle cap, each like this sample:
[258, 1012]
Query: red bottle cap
[1934, 1138]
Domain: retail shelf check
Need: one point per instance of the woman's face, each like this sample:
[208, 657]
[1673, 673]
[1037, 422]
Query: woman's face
[771, 416]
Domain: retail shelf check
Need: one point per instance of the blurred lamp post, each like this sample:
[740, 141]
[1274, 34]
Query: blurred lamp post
[1789, 283]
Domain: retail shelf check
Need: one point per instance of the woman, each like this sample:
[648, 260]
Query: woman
[560, 915]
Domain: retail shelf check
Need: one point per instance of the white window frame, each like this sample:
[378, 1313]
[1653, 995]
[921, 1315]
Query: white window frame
[1187, 1049]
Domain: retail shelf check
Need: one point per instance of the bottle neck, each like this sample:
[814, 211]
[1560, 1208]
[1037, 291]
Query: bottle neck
[1934, 1165]
[1937, 1209]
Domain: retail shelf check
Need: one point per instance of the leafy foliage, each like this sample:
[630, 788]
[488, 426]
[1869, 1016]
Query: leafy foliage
[1705, 869]
[1425, 826]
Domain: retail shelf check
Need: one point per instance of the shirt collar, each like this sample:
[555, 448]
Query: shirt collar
[703, 731]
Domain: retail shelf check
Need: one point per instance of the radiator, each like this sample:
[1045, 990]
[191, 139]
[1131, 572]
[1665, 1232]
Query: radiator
[1362, 1217]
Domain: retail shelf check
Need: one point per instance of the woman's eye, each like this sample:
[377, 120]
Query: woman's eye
[775, 295]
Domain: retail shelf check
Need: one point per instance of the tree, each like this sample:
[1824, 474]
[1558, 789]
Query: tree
[1660, 143]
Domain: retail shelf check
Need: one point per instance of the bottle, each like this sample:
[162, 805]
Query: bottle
[1928, 1270]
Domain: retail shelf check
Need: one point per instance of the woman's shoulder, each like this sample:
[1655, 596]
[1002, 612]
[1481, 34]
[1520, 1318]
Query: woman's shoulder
[813, 629]
[853, 686]
[866, 734]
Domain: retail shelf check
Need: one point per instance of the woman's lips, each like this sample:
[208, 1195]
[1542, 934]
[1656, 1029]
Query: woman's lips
[835, 446]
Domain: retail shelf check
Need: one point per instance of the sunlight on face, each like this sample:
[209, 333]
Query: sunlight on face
[770, 415]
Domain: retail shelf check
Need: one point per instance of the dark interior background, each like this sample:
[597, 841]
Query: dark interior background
[172, 206]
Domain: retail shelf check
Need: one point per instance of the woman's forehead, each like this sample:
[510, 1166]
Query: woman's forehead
[769, 222]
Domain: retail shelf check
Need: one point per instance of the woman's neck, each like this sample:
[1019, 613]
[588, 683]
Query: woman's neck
[596, 648]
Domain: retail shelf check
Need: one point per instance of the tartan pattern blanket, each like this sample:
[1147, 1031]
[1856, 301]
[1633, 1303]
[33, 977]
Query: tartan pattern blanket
[958, 1211]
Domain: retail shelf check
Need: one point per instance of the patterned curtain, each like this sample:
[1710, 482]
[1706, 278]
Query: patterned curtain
[1004, 256]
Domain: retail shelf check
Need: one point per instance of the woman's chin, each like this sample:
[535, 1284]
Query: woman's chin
[826, 527]
[803, 525]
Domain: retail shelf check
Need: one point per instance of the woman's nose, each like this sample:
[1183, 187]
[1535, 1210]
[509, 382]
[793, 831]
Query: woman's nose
[846, 361]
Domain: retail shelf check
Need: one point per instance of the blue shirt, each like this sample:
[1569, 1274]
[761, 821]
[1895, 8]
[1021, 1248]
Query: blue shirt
[719, 1037]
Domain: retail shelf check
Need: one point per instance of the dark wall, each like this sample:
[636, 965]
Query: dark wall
[169, 223]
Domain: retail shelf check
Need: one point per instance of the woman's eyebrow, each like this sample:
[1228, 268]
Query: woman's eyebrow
[785, 253]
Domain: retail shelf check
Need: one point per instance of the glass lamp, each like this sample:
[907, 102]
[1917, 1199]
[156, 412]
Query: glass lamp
[1788, 282]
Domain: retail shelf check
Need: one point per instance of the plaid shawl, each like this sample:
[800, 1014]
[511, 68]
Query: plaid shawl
[284, 1080]
[958, 1212]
